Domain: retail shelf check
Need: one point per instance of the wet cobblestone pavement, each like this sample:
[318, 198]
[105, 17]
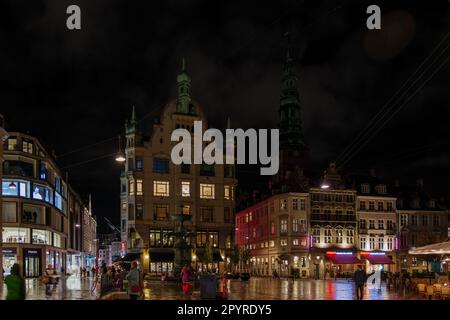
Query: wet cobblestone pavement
[255, 289]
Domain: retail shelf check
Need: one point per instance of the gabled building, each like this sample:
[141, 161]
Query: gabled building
[154, 188]
[377, 221]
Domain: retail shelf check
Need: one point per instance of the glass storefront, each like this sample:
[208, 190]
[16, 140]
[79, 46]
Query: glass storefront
[9, 258]
[32, 263]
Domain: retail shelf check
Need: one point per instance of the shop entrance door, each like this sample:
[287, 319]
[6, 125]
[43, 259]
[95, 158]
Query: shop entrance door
[32, 263]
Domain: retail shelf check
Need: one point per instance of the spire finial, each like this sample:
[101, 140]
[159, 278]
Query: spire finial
[133, 115]
[183, 64]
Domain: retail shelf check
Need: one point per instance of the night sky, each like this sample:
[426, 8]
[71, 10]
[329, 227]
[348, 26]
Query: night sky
[74, 89]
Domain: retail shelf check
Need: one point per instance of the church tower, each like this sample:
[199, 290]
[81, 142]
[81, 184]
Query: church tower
[184, 105]
[293, 148]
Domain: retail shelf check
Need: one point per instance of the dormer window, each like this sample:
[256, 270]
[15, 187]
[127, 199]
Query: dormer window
[416, 203]
[432, 203]
[381, 189]
[365, 188]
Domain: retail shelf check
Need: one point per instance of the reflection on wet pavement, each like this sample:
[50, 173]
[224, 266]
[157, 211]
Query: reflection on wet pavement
[255, 289]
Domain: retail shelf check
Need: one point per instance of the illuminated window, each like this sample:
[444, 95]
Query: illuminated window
[185, 189]
[365, 188]
[161, 212]
[294, 225]
[295, 242]
[27, 147]
[227, 192]
[283, 226]
[41, 237]
[328, 235]
[12, 144]
[272, 243]
[283, 243]
[161, 188]
[9, 211]
[187, 209]
[283, 204]
[316, 235]
[207, 191]
[16, 235]
[339, 236]
[57, 240]
[131, 188]
[139, 188]
[272, 228]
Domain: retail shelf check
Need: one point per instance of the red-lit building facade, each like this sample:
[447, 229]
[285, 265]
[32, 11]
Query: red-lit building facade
[276, 232]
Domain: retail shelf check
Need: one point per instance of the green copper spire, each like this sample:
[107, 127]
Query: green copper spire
[132, 126]
[290, 123]
[183, 90]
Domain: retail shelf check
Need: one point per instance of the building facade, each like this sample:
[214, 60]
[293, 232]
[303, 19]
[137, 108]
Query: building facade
[153, 188]
[3, 137]
[422, 220]
[377, 221]
[275, 231]
[37, 229]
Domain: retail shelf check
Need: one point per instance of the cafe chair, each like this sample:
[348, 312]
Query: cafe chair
[430, 292]
[421, 289]
[445, 293]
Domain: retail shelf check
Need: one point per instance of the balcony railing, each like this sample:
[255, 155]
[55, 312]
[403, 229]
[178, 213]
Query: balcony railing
[332, 217]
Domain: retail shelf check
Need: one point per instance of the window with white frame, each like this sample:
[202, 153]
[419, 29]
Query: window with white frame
[371, 224]
[316, 235]
[283, 243]
[283, 226]
[207, 191]
[139, 188]
[185, 189]
[362, 224]
[295, 204]
[389, 244]
[380, 243]
[371, 205]
[403, 220]
[283, 204]
[381, 224]
[339, 234]
[131, 188]
[390, 206]
[295, 242]
[161, 188]
[390, 225]
[302, 204]
[350, 235]
[362, 205]
[294, 225]
[380, 206]
[365, 188]
[436, 221]
[362, 243]
[328, 235]
[372, 243]
[227, 192]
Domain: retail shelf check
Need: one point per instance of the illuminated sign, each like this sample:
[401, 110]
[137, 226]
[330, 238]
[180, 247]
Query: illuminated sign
[339, 253]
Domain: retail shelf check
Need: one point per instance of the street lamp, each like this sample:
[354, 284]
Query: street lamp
[120, 156]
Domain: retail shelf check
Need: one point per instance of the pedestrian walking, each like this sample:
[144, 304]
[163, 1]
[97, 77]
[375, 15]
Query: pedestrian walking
[135, 282]
[15, 284]
[185, 277]
[47, 280]
[360, 278]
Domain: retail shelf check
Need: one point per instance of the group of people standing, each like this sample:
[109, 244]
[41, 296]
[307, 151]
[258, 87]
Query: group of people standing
[112, 278]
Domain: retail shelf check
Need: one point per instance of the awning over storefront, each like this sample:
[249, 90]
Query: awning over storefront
[436, 249]
[342, 257]
[376, 257]
[162, 256]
